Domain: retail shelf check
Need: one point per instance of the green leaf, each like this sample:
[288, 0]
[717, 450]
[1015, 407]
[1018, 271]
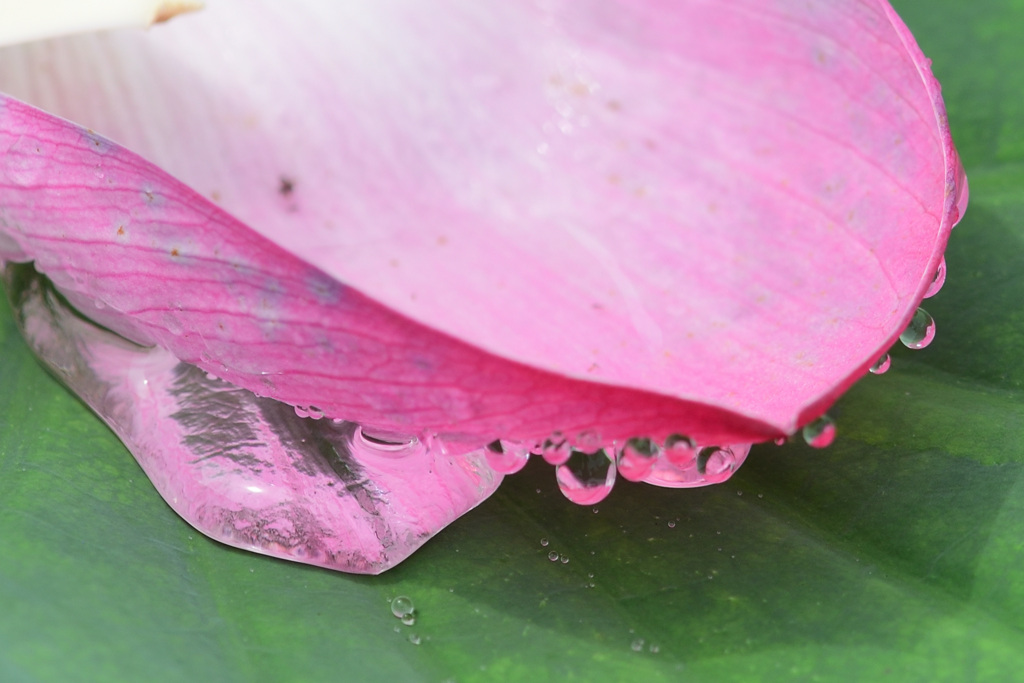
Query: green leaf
[895, 553]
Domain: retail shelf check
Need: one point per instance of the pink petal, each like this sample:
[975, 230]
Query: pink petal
[636, 217]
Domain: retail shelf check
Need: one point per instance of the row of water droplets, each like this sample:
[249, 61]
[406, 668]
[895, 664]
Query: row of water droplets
[586, 469]
[404, 609]
[919, 333]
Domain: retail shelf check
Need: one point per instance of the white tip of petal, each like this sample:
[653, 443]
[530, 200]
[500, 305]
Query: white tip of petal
[27, 21]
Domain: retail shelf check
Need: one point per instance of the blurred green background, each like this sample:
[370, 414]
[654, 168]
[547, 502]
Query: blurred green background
[896, 554]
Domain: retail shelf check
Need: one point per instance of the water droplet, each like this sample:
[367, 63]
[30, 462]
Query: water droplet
[409, 619]
[544, 542]
[586, 478]
[881, 365]
[637, 645]
[938, 281]
[820, 433]
[415, 639]
[588, 441]
[781, 441]
[506, 457]
[556, 450]
[384, 443]
[654, 649]
[402, 606]
[553, 556]
[680, 450]
[564, 559]
[671, 525]
[716, 463]
[636, 459]
[961, 194]
[301, 412]
[920, 332]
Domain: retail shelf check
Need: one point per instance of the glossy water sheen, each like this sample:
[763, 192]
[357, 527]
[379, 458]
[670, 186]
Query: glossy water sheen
[556, 450]
[636, 458]
[506, 457]
[711, 465]
[586, 478]
[249, 471]
[881, 366]
[820, 433]
[402, 606]
[938, 280]
[680, 450]
[920, 332]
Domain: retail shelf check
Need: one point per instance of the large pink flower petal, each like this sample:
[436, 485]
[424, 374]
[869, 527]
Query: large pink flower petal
[636, 217]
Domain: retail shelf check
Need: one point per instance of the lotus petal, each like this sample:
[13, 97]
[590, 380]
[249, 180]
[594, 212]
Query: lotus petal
[609, 218]
[611, 212]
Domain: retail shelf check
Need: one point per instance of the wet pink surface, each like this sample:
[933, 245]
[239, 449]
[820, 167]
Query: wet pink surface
[248, 471]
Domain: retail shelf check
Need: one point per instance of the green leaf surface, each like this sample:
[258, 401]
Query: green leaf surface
[896, 554]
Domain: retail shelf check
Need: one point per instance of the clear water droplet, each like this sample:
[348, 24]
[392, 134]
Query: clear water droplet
[881, 365]
[637, 645]
[680, 450]
[564, 559]
[556, 450]
[588, 441]
[654, 649]
[586, 478]
[553, 556]
[820, 433]
[544, 542]
[409, 619]
[385, 443]
[961, 194]
[938, 281]
[636, 458]
[671, 525]
[415, 639]
[715, 463]
[402, 606]
[920, 332]
[781, 441]
[301, 412]
[506, 457]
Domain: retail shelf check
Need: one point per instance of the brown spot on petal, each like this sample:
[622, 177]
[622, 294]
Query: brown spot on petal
[287, 186]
